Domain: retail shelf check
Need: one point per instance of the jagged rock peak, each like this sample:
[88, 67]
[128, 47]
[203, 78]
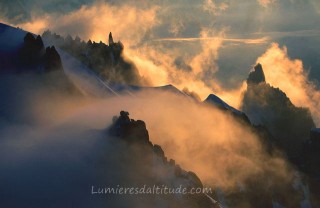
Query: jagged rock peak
[35, 44]
[39, 42]
[52, 59]
[129, 129]
[256, 76]
[29, 38]
[111, 42]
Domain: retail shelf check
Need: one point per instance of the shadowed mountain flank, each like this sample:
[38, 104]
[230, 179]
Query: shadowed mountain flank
[270, 107]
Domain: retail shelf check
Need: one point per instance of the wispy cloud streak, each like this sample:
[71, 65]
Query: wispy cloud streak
[297, 33]
[262, 40]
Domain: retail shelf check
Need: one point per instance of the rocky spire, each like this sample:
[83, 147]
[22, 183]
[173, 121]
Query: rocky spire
[256, 76]
[110, 39]
[52, 60]
[129, 129]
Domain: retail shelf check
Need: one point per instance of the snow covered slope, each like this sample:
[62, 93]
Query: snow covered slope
[10, 38]
[84, 78]
[215, 100]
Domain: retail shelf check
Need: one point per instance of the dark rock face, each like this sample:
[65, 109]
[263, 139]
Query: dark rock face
[311, 154]
[32, 51]
[315, 136]
[158, 150]
[154, 164]
[52, 60]
[34, 57]
[135, 133]
[26, 52]
[310, 162]
[130, 130]
[34, 45]
[256, 76]
[270, 107]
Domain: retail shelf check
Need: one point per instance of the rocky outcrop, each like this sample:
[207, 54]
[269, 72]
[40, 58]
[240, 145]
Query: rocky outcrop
[130, 130]
[34, 57]
[52, 60]
[256, 76]
[116, 50]
[104, 59]
[32, 51]
[270, 107]
[315, 137]
[34, 45]
[110, 39]
[135, 135]
[310, 162]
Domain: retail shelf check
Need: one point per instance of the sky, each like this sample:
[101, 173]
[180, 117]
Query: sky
[207, 46]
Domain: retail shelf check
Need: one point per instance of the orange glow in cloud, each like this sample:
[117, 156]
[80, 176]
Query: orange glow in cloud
[190, 134]
[208, 57]
[130, 24]
[290, 76]
[94, 22]
[214, 8]
[266, 3]
[157, 66]
[36, 26]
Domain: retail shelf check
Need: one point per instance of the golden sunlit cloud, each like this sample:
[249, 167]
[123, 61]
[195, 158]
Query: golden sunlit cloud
[94, 22]
[214, 8]
[36, 26]
[158, 67]
[177, 26]
[290, 76]
[207, 58]
[266, 3]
